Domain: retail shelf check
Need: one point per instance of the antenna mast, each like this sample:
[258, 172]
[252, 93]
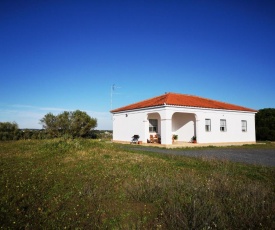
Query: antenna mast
[113, 87]
[112, 90]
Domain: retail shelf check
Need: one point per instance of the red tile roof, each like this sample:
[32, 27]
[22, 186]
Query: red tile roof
[176, 99]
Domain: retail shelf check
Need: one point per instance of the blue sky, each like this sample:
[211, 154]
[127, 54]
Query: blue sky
[60, 56]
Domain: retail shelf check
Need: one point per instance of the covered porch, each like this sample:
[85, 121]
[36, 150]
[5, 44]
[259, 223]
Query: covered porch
[171, 128]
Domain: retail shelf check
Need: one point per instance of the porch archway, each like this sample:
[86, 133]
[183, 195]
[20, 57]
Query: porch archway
[184, 125]
[152, 126]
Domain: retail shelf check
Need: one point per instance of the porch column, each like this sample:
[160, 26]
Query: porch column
[198, 125]
[166, 128]
[145, 130]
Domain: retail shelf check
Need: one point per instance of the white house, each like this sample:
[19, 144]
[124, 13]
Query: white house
[210, 121]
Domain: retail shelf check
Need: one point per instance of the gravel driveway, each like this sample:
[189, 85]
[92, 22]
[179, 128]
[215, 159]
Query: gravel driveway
[258, 156]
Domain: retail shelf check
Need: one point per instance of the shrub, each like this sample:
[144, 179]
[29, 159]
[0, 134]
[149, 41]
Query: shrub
[265, 124]
[8, 130]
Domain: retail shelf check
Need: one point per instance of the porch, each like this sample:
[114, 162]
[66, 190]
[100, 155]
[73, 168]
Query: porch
[170, 128]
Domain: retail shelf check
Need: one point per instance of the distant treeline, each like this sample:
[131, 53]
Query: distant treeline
[67, 124]
[10, 131]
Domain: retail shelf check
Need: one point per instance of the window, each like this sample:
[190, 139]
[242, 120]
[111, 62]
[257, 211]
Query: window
[223, 125]
[207, 125]
[153, 125]
[244, 126]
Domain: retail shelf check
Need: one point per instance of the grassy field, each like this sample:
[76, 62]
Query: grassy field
[89, 184]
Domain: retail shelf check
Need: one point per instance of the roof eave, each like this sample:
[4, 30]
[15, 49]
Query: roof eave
[137, 109]
[204, 108]
[183, 106]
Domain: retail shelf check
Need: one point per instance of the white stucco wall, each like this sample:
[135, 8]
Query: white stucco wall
[233, 131]
[185, 122]
[125, 125]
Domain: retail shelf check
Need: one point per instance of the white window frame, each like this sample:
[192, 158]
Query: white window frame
[153, 125]
[207, 125]
[244, 126]
[223, 125]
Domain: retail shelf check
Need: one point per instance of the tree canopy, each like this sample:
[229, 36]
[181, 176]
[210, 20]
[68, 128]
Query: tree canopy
[75, 124]
[8, 130]
[265, 124]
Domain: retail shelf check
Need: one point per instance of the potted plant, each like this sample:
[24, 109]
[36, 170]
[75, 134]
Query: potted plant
[194, 139]
[175, 137]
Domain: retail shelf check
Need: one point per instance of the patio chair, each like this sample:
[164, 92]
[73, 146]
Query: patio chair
[134, 139]
[154, 138]
[158, 138]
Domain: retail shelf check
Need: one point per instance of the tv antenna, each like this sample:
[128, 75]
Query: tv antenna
[113, 87]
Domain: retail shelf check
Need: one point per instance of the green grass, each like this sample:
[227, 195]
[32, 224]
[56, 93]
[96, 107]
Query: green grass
[88, 184]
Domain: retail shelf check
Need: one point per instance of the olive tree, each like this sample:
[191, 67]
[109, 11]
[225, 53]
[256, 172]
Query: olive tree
[49, 123]
[76, 124]
[63, 121]
[81, 123]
